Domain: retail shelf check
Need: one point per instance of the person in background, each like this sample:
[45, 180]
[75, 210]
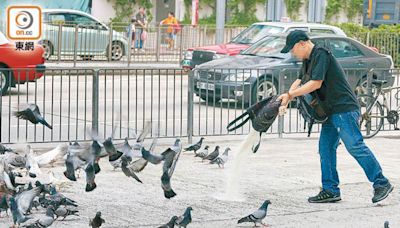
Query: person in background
[170, 21]
[141, 24]
[130, 31]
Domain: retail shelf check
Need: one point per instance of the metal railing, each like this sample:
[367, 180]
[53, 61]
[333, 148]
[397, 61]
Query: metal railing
[118, 101]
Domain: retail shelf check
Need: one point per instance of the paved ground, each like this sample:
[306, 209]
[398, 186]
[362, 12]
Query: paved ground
[285, 171]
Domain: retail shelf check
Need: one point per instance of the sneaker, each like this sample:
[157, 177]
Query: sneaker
[380, 193]
[325, 196]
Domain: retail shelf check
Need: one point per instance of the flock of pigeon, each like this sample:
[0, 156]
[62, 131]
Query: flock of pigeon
[131, 159]
[214, 157]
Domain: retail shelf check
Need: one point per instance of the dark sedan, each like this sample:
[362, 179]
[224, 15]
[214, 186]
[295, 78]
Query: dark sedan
[261, 70]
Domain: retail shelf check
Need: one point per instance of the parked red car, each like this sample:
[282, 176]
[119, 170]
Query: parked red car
[23, 65]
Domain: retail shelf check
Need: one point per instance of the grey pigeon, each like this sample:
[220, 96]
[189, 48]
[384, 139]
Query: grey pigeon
[152, 158]
[195, 147]
[203, 153]
[32, 114]
[25, 199]
[221, 159]
[386, 224]
[97, 221]
[128, 171]
[185, 219]
[4, 149]
[257, 216]
[45, 221]
[171, 156]
[213, 155]
[171, 223]
[64, 212]
[18, 216]
[15, 160]
[6, 175]
[113, 154]
[73, 161]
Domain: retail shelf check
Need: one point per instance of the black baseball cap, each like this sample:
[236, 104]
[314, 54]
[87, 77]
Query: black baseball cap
[293, 38]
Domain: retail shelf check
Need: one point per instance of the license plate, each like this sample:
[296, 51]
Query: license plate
[207, 86]
[186, 62]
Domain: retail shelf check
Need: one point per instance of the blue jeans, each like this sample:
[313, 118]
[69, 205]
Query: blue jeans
[345, 126]
[139, 41]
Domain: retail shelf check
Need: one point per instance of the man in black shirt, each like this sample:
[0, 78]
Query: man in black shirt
[141, 23]
[328, 80]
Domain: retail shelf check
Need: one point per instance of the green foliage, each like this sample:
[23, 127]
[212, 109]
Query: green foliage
[124, 9]
[351, 7]
[293, 7]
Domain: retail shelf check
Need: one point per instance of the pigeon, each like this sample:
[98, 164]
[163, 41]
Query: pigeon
[185, 219]
[171, 223]
[56, 181]
[15, 160]
[73, 161]
[32, 114]
[213, 155]
[64, 212]
[203, 153]
[195, 147]
[60, 198]
[18, 216]
[257, 216]
[221, 159]
[386, 224]
[31, 163]
[50, 157]
[5, 175]
[113, 154]
[152, 158]
[24, 199]
[171, 156]
[78, 157]
[45, 221]
[128, 171]
[4, 149]
[97, 221]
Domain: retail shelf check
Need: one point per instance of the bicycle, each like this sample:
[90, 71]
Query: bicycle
[373, 112]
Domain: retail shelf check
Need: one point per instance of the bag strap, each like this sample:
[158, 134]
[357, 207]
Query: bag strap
[230, 128]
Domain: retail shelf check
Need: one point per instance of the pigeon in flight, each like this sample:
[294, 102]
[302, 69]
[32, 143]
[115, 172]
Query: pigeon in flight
[113, 154]
[185, 219]
[195, 147]
[257, 216]
[18, 216]
[32, 114]
[171, 156]
[127, 170]
[221, 159]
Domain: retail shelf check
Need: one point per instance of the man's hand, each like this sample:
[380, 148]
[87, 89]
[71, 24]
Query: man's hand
[284, 103]
[284, 98]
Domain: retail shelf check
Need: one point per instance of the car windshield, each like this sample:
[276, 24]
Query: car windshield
[254, 33]
[268, 47]
[3, 39]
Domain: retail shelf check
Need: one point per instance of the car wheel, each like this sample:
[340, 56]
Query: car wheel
[5, 80]
[117, 51]
[263, 88]
[48, 49]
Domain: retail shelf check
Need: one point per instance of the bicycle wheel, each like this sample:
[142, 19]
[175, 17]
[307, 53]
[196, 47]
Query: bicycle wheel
[372, 116]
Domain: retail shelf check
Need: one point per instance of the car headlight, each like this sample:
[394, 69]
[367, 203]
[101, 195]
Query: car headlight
[218, 56]
[188, 55]
[240, 77]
